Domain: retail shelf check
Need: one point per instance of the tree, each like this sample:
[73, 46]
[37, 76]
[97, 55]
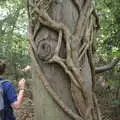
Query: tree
[61, 35]
[13, 44]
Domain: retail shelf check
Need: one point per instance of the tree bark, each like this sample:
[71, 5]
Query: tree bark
[61, 35]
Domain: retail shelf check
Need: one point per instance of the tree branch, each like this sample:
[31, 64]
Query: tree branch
[107, 67]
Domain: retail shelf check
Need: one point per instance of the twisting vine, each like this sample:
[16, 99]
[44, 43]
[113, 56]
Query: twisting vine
[70, 65]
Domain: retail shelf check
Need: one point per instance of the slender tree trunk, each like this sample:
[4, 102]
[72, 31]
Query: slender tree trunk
[61, 34]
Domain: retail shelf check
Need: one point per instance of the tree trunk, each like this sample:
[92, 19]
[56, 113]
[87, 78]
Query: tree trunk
[61, 35]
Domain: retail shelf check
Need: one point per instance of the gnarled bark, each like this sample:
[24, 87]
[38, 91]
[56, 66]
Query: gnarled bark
[61, 34]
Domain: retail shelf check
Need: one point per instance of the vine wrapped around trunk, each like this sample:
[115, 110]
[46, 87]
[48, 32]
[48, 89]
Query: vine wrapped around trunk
[53, 41]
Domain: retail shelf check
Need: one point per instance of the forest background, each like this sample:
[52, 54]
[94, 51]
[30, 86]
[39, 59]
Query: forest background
[14, 49]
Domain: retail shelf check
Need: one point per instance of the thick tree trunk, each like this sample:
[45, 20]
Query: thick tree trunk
[61, 34]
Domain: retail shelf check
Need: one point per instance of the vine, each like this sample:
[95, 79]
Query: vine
[71, 66]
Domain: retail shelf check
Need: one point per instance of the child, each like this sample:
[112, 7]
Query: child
[11, 99]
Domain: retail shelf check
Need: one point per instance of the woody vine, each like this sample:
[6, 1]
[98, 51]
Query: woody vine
[72, 63]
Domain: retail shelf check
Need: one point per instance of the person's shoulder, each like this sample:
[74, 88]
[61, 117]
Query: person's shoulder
[7, 83]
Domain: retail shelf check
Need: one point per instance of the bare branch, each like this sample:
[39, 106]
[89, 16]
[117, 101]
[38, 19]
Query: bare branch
[107, 67]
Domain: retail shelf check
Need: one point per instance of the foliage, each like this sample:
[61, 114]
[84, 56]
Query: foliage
[13, 43]
[109, 34]
[108, 39]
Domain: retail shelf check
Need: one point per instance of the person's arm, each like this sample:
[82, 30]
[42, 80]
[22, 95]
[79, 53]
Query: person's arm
[20, 95]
